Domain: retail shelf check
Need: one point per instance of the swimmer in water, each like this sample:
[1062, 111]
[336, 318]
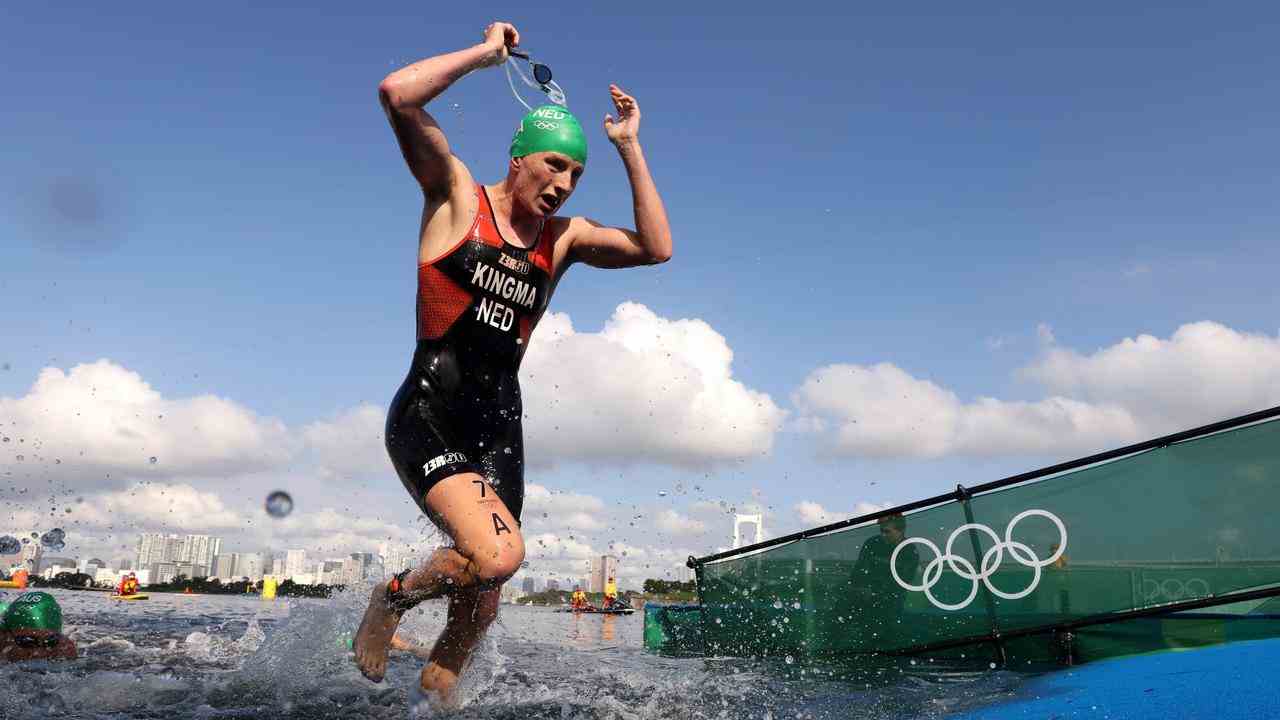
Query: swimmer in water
[31, 629]
[489, 257]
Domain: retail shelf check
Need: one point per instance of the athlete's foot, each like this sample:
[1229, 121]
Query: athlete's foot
[373, 639]
[439, 683]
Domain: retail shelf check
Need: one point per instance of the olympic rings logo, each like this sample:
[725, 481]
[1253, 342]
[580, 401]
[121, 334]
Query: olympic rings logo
[1173, 589]
[1020, 552]
[544, 125]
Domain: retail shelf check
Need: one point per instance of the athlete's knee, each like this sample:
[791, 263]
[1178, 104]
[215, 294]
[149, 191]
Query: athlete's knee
[495, 565]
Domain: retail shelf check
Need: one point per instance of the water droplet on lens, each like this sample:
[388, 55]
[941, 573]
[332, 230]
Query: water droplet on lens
[279, 504]
[795, 606]
[9, 545]
[662, 493]
[789, 659]
[55, 539]
[777, 604]
[524, 564]
[152, 460]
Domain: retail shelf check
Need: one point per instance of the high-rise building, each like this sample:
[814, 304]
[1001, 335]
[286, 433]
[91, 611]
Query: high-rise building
[157, 548]
[195, 550]
[199, 550]
[249, 565]
[602, 568]
[277, 567]
[527, 586]
[356, 567]
[224, 566]
[295, 563]
[163, 572]
[330, 571]
[395, 557]
[553, 584]
[173, 547]
[509, 593]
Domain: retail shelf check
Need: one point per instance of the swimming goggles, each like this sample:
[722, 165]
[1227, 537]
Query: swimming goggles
[28, 641]
[541, 79]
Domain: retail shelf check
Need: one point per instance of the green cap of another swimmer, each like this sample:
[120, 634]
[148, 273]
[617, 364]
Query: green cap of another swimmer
[33, 611]
[550, 128]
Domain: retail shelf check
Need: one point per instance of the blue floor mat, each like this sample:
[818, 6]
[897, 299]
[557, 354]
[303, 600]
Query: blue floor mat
[1236, 681]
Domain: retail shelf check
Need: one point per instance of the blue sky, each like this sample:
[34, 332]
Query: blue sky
[846, 184]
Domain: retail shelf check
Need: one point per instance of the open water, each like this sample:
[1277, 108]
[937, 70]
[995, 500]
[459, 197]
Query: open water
[218, 656]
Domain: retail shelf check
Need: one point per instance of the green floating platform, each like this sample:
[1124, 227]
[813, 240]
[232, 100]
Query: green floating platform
[1162, 545]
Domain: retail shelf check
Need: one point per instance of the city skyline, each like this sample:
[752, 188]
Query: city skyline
[161, 557]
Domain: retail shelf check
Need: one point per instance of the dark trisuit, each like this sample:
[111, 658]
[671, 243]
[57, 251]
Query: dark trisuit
[459, 408]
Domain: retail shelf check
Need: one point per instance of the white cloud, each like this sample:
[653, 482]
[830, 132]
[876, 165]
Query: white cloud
[812, 514]
[1135, 389]
[147, 504]
[350, 443]
[673, 523]
[883, 412]
[644, 389]
[103, 418]
[1205, 371]
[548, 509]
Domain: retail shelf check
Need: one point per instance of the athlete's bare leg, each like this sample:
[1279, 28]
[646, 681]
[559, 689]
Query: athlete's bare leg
[470, 614]
[487, 549]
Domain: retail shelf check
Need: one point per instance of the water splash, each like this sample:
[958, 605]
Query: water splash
[221, 657]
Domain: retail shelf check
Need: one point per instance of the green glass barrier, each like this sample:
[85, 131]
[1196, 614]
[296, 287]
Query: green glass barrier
[1188, 521]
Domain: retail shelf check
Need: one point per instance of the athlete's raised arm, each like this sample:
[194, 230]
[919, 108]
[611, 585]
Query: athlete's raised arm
[650, 242]
[405, 92]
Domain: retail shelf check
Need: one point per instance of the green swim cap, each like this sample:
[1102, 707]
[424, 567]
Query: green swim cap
[550, 128]
[33, 611]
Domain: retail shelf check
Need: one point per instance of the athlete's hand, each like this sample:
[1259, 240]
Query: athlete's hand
[626, 128]
[499, 38]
